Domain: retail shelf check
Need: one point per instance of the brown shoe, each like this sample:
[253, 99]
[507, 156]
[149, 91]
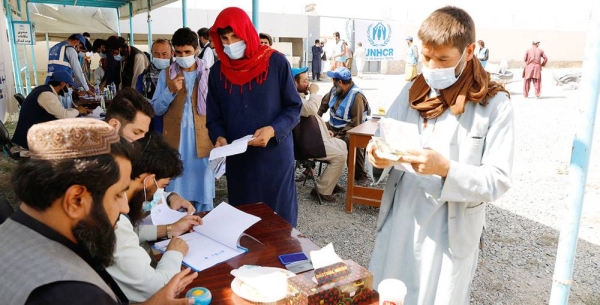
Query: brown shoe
[338, 189]
[328, 198]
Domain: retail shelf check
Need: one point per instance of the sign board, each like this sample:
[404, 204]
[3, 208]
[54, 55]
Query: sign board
[24, 32]
[381, 40]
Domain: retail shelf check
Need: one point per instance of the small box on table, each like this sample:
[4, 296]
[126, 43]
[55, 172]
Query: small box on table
[355, 287]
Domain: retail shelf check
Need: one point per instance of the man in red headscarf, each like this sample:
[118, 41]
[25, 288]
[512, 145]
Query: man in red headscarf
[251, 91]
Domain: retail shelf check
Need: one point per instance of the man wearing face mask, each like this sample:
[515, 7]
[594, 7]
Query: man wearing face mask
[432, 211]
[63, 56]
[348, 107]
[130, 60]
[132, 268]
[207, 54]
[252, 92]
[181, 98]
[42, 105]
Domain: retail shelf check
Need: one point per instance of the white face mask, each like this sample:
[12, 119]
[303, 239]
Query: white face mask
[118, 57]
[235, 50]
[444, 77]
[186, 62]
[161, 63]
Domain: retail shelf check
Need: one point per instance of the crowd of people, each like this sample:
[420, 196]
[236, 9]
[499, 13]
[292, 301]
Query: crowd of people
[79, 233]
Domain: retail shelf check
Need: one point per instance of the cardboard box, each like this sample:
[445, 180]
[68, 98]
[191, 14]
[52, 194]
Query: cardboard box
[354, 288]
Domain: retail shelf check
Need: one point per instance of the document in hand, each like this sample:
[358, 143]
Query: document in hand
[217, 239]
[236, 147]
[397, 138]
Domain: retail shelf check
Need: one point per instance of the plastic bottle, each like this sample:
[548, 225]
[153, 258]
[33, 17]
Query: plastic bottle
[113, 90]
[102, 103]
[97, 91]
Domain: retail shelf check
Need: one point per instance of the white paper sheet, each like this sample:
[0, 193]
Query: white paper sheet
[236, 147]
[162, 214]
[95, 113]
[226, 224]
[218, 166]
[400, 136]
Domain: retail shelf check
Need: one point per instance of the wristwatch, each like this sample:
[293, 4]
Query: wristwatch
[169, 232]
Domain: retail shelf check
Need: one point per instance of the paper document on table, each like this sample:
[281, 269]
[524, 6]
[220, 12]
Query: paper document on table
[217, 239]
[217, 166]
[95, 113]
[396, 139]
[236, 147]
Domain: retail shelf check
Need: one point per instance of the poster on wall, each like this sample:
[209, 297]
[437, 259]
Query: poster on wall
[24, 32]
[381, 40]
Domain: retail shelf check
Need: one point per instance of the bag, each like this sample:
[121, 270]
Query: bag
[308, 141]
[323, 57]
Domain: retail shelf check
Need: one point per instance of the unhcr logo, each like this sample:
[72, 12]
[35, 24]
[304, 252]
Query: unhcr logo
[379, 34]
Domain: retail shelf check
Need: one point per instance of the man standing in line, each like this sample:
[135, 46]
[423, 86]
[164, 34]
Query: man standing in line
[252, 92]
[349, 54]
[207, 54]
[360, 55]
[412, 58]
[535, 59]
[317, 52]
[64, 56]
[339, 53]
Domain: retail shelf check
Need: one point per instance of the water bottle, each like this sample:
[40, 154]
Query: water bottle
[102, 103]
[106, 93]
[113, 90]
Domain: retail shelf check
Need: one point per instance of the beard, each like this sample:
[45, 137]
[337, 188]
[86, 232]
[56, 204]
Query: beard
[135, 207]
[338, 91]
[96, 235]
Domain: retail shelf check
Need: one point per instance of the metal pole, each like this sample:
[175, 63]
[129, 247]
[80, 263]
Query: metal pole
[149, 28]
[130, 23]
[25, 68]
[580, 156]
[13, 49]
[255, 13]
[118, 22]
[35, 73]
[184, 12]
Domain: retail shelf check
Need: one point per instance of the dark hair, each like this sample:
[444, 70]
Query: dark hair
[126, 104]
[98, 43]
[224, 31]
[481, 42]
[448, 26]
[185, 37]
[316, 41]
[38, 183]
[86, 34]
[203, 32]
[73, 37]
[267, 37]
[336, 34]
[54, 83]
[115, 43]
[345, 82]
[157, 157]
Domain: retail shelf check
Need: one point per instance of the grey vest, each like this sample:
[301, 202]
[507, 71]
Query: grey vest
[30, 260]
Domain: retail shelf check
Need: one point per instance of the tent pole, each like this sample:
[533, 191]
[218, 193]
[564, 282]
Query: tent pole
[35, 74]
[184, 12]
[130, 23]
[149, 28]
[255, 13]
[562, 278]
[13, 49]
[118, 22]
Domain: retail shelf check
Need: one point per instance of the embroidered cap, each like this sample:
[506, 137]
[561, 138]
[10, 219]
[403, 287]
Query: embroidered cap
[340, 73]
[296, 71]
[70, 139]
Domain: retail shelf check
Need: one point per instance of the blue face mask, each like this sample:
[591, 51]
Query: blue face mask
[156, 198]
[161, 63]
[118, 57]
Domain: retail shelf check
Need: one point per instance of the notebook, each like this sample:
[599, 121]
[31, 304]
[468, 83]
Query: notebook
[217, 239]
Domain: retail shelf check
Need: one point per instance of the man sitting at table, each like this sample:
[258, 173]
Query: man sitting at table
[132, 112]
[348, 107]
[335, 149]
[57, 245]
[42, 105]
[132, 268]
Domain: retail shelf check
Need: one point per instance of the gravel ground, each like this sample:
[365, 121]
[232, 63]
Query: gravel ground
[517, 262]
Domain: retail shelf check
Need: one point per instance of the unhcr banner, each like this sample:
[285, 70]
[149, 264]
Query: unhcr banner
[381, 40]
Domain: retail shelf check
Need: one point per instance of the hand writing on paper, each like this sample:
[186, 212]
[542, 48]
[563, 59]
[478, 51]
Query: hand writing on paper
[375, 159]
[185, 224]
[427, 161]
[176, 202]
[176, 84]
[178, 244]
[220, 142]
[262, 136]
[167, 295]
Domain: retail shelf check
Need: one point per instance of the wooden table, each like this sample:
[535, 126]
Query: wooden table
[278, 237]
[359, 138]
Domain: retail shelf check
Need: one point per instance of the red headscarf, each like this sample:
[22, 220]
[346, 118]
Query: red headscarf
[255, 63]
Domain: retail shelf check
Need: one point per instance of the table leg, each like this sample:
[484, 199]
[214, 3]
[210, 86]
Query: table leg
[351, 163]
